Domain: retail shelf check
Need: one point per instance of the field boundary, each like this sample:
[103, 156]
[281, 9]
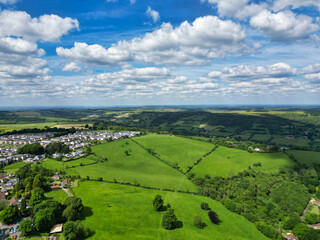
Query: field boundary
[201, 158]
[154, 155]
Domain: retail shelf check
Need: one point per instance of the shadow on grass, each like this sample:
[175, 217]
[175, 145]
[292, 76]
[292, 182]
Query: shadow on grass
[86, 212]
[179, 224]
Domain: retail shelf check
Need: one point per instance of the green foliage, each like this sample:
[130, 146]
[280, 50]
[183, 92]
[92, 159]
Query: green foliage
[157, 203]
[88, 149]
[169, 220]
[37, 196]
[3, 204]
[205, 206]
[44, 220]
[55, 207]
[25, 227]
[312, 218]
[73, 209]
[292, 221]
[24, 212]
[75, 231]
[34, 149]
[291, 197]
[57, 147]
[301, 230]
[213, 216]
[267, 230]
[9, 215]
[198, 222]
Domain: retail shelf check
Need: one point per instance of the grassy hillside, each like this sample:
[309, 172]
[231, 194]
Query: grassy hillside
[57, 195]
[176, 149]
[137, 167]
[225, 161]
[14, 167]
[130, 215]
[59, 165]
[306, 157]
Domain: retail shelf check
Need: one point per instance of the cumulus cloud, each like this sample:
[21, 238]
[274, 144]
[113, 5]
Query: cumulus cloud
[197, 43]
[284, 26]
[45, 28]
[252, 72]
[240, 9]
[153, 14]
[282, 4]
[72, 67]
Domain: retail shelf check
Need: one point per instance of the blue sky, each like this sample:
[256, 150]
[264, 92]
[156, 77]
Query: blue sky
[122, 52]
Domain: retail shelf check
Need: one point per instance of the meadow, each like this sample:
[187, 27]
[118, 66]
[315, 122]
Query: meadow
[14, 167]
[56, 195]
[225, 162]
[306, 157]
[115, 211]
[136, 167]
[59, 165]
[174, 149]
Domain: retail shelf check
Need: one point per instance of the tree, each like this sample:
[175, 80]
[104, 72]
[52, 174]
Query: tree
[214, 218]
[169, 220]
[3, 204]
[23, 208]
[157, 203]
[198, 222]
[44, 220]
[300, 230]
[312, 218]
[25, 227]
[293, 220]
[205, 206]
[37, 196]
[75, 231]
[88, 149]
[9, 215]
[73, 209]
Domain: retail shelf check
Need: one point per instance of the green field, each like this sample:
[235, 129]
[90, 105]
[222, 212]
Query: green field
[130, 215]
[59, 165]
[139, 167]
[174, 149]
[227, 161]
[14, 167]
[306, 157]
[57, 195]
[11, 127]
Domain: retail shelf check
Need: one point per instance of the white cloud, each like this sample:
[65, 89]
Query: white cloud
[153, 14]
[240, 9]
[72, 67]
[284, 26]
[132, 2]
[249, 73]
[281, 4]
[45, 28]
[205, 39]
[19, 46]
[95, 54]
[8, 1]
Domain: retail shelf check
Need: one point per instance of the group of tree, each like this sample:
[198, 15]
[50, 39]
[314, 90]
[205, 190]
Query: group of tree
[56, 147]
[37, 149]
[47, 213]
[269, 200]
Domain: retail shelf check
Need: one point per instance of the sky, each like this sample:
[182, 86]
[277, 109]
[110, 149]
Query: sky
[168, 52]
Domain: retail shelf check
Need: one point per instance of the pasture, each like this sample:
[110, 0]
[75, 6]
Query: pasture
[136, 166]
[117, 211]
[306, 157]
[59, 165]
[14, 167]
[57, 195]
[174, 149]
[225, 162]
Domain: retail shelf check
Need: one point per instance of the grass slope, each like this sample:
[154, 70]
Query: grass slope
[173, 149]
[130, 215]
[139, 166]
[59, 165]
[306, 157]
[14, 167]
[225, 161]
[57, 195]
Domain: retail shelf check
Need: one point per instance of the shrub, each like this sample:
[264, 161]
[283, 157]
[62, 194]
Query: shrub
[169, 220]
[205, 206]
[157, 203]
[214, 218]
[197, 221]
